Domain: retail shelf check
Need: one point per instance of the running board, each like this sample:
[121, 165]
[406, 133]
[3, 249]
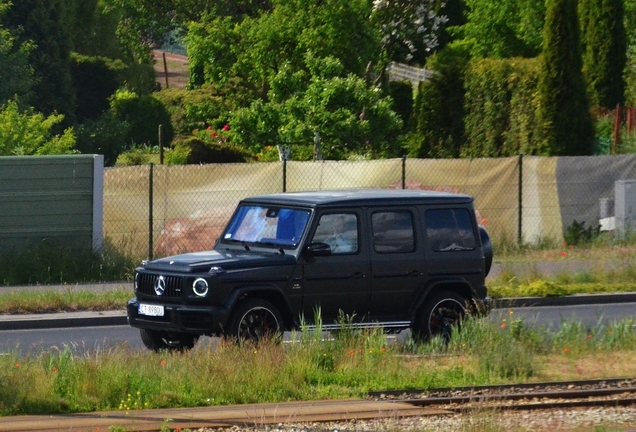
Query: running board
[357, 326]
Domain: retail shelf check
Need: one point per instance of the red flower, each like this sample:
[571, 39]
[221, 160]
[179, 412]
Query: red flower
[163, 362]
[17, 365]
[566, 350]
[226, 127]
[209, 128]
[564, 253]
[214, 135]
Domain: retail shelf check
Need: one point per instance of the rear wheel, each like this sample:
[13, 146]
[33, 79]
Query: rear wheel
[157, 340]
[254, 320]
[439, 315]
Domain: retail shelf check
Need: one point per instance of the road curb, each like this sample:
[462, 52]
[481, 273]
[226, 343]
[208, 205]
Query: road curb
[62, 320]
[573, 300]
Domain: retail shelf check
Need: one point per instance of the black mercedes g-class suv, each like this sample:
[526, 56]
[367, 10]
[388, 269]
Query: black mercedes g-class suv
[395, 259]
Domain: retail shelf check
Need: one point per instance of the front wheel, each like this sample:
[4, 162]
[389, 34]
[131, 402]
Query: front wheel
[157, 340]
[438, 316]
[255, 320]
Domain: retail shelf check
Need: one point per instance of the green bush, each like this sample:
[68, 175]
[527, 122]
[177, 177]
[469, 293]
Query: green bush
[501, 107]
[198, 151]
[195, 109]
[144, 114]
[106, 136]
[138, 155]
[487, 107]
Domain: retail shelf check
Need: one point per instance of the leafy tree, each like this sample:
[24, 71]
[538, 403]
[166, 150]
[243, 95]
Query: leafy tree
[148, 22]
[502, 28]
[346, 114]
[408, 30]
[255, 49]
[630, 70]
[45, 24]
[30, 133]
[95, 80]
[455, 12]
[603, 40]
[16, 74]
[566, 124]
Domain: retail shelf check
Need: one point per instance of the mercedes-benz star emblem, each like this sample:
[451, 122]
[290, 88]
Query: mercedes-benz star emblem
[160, 285]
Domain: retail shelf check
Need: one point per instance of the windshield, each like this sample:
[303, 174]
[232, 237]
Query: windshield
[267, 225]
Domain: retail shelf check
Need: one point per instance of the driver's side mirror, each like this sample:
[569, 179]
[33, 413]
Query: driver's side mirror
[318, 249]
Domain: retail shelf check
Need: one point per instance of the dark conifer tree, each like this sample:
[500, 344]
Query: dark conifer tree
[567, 127]
[603, 39]
[44, 23]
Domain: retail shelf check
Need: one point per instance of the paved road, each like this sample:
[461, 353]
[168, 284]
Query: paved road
[105, 337]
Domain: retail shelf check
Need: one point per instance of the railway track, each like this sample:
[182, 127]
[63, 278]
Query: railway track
[394, 406]
[532, 396]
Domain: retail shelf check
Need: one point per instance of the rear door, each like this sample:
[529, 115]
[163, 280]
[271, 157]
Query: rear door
[397, 262]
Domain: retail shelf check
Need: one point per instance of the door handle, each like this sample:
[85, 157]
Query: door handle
[358, 275]
[415, 273]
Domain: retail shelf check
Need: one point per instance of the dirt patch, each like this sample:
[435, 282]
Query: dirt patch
[174, 72]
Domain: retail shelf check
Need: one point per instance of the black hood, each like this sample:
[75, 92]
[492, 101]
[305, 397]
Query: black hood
[197, 262]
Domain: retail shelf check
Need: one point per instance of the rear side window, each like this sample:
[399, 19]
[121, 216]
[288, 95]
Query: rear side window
[450, 230]
[393, 232]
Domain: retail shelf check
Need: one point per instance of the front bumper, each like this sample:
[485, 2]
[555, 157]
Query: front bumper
[178, 318]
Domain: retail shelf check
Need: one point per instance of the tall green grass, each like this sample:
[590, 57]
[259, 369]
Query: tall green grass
[480, 352]
[25, 302]
[48, 262]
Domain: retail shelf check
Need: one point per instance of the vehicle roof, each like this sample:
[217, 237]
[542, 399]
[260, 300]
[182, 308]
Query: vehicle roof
[360, 197]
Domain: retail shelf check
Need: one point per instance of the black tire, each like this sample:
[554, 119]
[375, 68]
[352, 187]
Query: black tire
[254, 320]
[438, 316]
[156, 340]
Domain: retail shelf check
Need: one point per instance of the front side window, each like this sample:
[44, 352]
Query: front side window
[450, 230]
[393, 232]
[267, 225]
[339, 231]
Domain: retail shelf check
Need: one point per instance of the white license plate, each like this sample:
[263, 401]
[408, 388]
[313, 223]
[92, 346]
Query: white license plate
[150, 310]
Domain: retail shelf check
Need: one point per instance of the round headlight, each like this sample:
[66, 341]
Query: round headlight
[200, 287]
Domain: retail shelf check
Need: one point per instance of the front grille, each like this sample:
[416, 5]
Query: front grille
[146, 285]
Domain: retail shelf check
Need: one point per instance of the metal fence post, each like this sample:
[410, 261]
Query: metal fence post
[403, 172]
[150, 205]
[520, 204]
[285, 175]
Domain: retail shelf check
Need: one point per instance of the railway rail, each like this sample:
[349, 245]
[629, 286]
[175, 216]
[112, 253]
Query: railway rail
[531, 396]
[393, 405]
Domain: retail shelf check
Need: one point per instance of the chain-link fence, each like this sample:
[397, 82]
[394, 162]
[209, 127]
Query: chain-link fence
[519, 198]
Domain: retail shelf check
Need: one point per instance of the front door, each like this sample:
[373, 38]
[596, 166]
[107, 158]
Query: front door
[337, 285]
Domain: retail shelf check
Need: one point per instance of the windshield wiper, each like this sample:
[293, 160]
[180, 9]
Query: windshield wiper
[276, 245]
[241, 242]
